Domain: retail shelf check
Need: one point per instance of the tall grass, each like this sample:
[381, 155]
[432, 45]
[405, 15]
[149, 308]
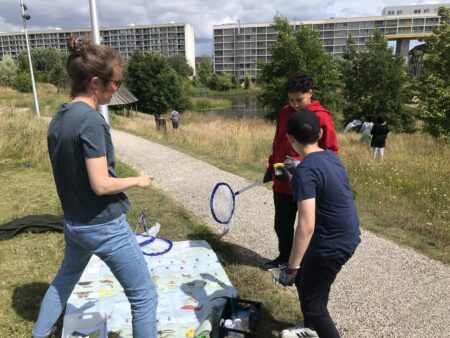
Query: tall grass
[237, 143]
[21, 141]
[408, 194]
[49, 99]
[406, 197]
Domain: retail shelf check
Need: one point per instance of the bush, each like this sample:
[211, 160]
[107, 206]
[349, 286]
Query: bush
[22, 83]
[8, 71]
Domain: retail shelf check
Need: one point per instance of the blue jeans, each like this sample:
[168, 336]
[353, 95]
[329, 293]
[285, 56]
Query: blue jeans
[116, 245]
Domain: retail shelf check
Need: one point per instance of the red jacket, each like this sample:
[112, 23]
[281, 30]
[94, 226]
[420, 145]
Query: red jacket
[281, 146]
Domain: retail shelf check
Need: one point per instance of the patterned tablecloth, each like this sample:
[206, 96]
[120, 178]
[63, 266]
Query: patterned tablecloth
[191, 283]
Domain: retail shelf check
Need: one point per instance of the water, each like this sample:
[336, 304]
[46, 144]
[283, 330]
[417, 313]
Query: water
[242, 107]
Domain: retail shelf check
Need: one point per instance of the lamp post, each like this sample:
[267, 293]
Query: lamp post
[103, 109]
[25, 18]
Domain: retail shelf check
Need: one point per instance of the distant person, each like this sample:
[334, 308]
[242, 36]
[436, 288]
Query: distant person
[379, 134]
[160, 122]
[175, 117]
[299, 91]
[328, 231]
[91, 195]
[366, 128]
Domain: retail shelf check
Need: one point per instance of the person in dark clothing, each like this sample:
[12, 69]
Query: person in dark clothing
[379, 134]
[327, 233]
[299, 91]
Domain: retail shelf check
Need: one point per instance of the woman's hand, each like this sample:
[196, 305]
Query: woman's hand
[144, 181]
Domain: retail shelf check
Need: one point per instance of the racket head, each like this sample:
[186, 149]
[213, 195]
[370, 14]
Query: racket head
[222, 203]
[153, 246]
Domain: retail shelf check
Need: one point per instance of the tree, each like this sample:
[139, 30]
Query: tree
[434, 90]
[155, 83]
[350, 71]
[44, 59]
[22, 82]
[376, 84]
[247, 82]
[180, 65]
[298, 51]
[235, 82]
[205, 71]
[225, 82]
[8, 70]
[58, 76]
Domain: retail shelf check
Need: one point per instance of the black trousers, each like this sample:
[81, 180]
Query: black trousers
[313, 284]
[285, 214]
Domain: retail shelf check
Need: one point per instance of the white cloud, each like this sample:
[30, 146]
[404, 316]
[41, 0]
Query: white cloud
[202, 14]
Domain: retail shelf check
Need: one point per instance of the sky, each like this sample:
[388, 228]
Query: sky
[201, 14]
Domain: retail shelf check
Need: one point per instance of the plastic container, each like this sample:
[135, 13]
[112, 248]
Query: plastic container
[240, 318]
[82, 324]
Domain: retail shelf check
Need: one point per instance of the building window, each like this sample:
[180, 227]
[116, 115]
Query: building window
[390, 12]
[399, 12]
[426, 11]
[417, 11]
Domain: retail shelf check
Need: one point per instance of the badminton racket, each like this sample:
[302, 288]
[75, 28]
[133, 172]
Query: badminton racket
[151, 245]
[222, 203]
[154, 246]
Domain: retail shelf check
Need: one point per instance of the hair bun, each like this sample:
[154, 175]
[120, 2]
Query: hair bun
[77, 45]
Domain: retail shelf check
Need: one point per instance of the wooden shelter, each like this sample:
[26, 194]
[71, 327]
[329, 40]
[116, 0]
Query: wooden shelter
[123, 100]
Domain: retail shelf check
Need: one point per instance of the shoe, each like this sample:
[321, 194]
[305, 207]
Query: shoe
[298, 331]
[276, 263]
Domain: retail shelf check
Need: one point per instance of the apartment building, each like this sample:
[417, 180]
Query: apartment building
[168, 39]
[239, 46]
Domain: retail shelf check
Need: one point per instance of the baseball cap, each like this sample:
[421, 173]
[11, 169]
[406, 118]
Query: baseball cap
[304, 126]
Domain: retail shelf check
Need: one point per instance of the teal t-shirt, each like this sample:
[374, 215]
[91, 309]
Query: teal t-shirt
[75, 133]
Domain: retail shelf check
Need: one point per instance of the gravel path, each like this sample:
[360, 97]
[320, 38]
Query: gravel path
[384, 291]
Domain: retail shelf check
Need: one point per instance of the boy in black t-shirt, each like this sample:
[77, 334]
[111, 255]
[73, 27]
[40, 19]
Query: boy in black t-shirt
[327, 233]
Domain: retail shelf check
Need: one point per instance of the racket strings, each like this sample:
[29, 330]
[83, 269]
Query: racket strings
[222, 203]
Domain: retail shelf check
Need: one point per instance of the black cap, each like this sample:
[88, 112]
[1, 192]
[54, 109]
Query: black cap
[304, 126]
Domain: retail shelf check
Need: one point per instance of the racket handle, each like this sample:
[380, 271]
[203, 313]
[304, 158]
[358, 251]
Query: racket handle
[254, 184]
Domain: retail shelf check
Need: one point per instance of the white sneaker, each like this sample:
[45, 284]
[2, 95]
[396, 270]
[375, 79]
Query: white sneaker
[298, 331]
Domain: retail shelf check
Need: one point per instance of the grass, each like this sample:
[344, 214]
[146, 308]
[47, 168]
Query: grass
[235, 145]
[19, 103]
[408, 195]
[28, 262]
[406, 198]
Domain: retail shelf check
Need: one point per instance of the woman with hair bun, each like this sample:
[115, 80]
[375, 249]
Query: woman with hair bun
[91, 195]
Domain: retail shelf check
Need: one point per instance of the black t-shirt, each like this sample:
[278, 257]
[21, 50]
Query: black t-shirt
[379, 134]
[77, 132]
[321, 175]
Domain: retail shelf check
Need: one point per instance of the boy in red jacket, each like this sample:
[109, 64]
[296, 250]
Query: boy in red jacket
[299, 89]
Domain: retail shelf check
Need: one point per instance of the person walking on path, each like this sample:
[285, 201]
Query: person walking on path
[92, 198]
[327, 233]
[299, 91]
[379, 134]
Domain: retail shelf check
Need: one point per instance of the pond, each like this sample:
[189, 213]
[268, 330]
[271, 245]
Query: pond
[242, 107]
